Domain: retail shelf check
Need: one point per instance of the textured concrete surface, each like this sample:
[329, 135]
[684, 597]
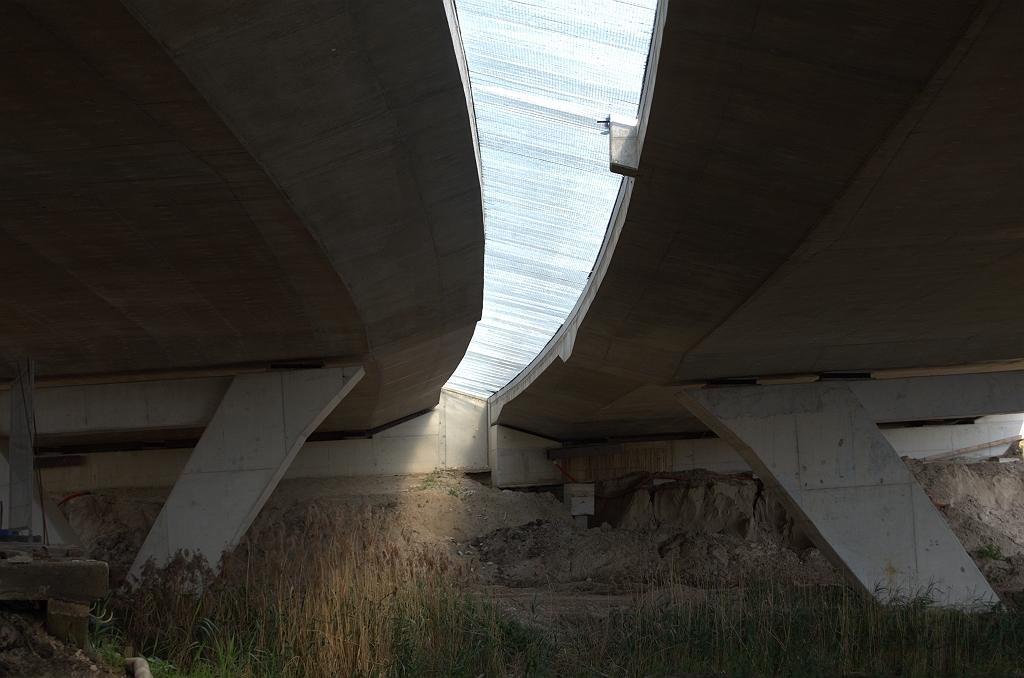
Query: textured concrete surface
[68, 621]
[186, 186]
[819, 452]
[821, 188]
[258, 429]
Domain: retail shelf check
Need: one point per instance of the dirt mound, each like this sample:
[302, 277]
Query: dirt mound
[114, 524]
[983, 503]
[697, 500]
[528, 539]
[540, 553]
[700, 558]
[434, 509]
[27, 651]
[694, 527]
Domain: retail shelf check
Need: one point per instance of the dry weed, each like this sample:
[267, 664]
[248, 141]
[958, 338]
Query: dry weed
[340, 593]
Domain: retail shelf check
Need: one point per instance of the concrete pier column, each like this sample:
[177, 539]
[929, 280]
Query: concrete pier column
[253, 437]
[818, 450]
[21, 457]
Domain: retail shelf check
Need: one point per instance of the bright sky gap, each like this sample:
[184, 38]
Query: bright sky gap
[543, 73]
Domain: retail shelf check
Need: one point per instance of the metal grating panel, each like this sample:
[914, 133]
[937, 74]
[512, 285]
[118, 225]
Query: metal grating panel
[543, 73]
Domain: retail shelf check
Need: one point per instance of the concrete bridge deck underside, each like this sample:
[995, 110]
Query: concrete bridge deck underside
[821, 189]
[188, 188]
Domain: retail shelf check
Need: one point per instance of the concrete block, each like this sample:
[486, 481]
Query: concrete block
[523, 468]
[68, 622]
[312, 461]
[871, 529]
[623, 150]
[80, 581]
[211, 511]
[579, 498]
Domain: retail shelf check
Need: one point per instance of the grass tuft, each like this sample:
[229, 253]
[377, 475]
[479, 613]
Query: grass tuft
[990, 551]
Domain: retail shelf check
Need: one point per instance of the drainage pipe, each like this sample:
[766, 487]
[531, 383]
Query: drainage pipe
[138, 667]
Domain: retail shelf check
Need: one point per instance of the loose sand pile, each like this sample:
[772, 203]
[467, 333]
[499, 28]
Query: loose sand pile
[983, 503]
[695, 528]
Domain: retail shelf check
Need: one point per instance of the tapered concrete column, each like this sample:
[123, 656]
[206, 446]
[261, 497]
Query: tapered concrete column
[818, 450]
[254, 435]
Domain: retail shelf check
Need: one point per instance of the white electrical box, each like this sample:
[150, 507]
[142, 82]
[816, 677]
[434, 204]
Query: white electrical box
[579, 498]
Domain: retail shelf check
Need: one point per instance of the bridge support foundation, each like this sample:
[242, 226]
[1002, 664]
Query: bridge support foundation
[817, 448]
[253, 437]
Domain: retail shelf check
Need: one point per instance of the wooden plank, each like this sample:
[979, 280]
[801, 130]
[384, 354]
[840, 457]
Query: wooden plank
[972, 448]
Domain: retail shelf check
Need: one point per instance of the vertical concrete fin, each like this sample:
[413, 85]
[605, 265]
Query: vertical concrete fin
[254, 435]
[819, 451]
[58, 528]
[22, 441]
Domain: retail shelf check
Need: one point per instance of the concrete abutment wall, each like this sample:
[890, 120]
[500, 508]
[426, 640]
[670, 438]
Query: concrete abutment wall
[451, 436]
